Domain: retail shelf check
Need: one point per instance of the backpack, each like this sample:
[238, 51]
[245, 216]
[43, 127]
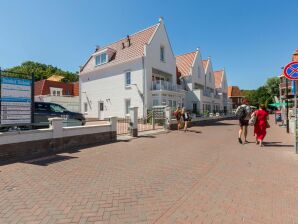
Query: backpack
[241, 113]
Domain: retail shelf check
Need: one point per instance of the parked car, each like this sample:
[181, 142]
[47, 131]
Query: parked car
[44, 111]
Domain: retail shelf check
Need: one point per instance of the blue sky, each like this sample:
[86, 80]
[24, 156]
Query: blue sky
[252, 39]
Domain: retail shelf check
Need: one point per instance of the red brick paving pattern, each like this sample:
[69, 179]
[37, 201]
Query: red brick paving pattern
[170, 178]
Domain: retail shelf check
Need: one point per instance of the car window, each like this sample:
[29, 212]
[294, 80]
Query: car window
[40, 107]
[56, 108]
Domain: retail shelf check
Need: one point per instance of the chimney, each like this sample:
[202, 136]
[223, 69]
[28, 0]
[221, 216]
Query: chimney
[160, 19]
[97, 47]
[295, 56]
[123, 45]
[128, 40]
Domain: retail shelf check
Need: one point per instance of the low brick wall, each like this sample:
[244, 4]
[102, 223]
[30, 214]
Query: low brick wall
[200, 122]
[23, 145]
[31, 149]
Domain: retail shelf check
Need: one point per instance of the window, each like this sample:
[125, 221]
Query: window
[155, 102]
[85, 107]
[41, 107]
[55, 91]
[127, 106]
[101, 106]
[57, 108]
[170, 104]
[174, 103]
[101, 59]
[194, 108]
[162, 53]
[127, 78]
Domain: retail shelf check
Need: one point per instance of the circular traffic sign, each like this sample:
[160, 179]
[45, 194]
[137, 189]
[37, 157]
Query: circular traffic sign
[291, 70]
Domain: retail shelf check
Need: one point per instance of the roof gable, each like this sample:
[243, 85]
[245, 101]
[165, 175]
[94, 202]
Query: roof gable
[234, 91]
[218, 76]
[205, 63]
[122, 51]
[184, 63]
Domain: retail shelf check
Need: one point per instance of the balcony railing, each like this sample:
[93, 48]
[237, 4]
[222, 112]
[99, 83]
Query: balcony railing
[165, 85]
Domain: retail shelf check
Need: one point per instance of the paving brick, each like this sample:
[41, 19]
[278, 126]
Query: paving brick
[171, 178]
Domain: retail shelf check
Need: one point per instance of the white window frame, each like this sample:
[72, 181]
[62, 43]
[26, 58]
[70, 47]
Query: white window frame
[125, 78]
[100, 55]
[54, 91]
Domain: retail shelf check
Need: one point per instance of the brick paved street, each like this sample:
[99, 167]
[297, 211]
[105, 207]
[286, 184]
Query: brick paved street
[203, 176]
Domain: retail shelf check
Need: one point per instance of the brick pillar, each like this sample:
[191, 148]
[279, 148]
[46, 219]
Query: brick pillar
[56, 124]
[133, 121]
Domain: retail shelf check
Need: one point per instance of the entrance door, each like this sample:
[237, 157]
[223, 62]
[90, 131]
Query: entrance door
[100, 110]
[194, 108]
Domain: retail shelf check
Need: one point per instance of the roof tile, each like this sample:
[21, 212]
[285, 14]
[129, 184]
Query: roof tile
[184, 63]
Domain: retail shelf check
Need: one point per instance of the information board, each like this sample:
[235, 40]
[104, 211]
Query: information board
[15, 101]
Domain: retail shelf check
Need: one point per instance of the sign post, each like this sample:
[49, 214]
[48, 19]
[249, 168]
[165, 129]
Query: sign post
[16, 99]
[291, 73]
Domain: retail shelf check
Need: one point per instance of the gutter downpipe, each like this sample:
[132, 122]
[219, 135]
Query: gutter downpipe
[144, 83]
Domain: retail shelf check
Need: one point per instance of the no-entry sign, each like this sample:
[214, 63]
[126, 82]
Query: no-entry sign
[291, 71]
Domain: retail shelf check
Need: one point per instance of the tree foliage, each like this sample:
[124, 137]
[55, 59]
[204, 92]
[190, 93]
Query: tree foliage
[264, 94]
[43, 71]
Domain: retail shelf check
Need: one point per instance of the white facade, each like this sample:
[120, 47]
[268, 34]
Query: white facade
[203, 95]
[104, 90]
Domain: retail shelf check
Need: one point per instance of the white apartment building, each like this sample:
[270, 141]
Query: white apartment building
[136, 71]
[221, 89]
[206, 90]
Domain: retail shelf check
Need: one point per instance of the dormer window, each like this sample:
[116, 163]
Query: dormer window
[101, 59]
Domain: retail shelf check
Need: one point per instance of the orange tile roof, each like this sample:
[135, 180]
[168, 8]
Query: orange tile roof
[234, 91]
[184, 63]
[218, 77]
[135, 50]
[205, 62]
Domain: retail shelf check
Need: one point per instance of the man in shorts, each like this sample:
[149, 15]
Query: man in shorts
[243, 112]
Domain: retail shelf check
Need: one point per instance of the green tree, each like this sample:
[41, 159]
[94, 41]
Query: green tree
[43, 71]
[272, 86]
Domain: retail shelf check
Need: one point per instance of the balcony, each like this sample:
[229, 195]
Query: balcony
[283, 85]
[165, 85]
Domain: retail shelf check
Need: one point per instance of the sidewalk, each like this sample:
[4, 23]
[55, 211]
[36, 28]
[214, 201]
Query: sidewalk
[202, 176]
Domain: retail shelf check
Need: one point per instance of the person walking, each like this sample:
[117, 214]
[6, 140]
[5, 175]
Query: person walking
[261, 124]
[178, 115]
[243, 113]
[186, 118]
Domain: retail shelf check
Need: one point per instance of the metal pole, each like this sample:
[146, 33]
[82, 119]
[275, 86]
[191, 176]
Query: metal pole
[32, 99]
[295, 126]
[0, 96]
[287, 106]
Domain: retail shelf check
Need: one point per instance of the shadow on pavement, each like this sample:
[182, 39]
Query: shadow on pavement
[45, 161]
[276, 144]
[194, 131]
[216, 124]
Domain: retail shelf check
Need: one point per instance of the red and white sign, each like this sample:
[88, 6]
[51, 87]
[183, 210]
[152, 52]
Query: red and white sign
[291, 70]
